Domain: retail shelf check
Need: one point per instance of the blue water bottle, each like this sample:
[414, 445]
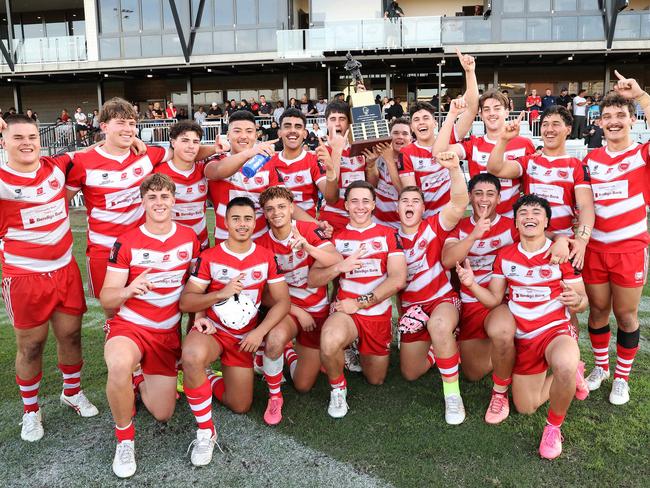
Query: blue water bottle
[254, 164]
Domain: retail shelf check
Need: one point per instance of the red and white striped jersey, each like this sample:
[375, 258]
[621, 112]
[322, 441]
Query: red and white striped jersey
[218, 265]
[555, 178]
[477, 152]
[237, 185]
[295, 266]
[301, 176]
[111, 190]
[618, 182]
[387, 195]
[433, 179]
[35, 232]
[426, 280]
[191, 197]
[170, 257]
[484, 251]
[353, 168]
[534, 288]
[380, 243]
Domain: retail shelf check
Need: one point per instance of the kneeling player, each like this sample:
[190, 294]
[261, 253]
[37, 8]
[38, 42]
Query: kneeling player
[147, 269]
[374, 271]
[541, 297]
[298, 247]
[486, 337]
[431, 306]
[227, 283]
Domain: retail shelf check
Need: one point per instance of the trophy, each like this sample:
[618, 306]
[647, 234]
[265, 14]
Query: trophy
[368, 127]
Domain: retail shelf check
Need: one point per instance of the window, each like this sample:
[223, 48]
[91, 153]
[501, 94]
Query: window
[131, 47]
[151, 15]
[565, 5]
[246, 41]
[206, 16]
[151, 46]
[565, 28]
[109, 11]
[270, 12]
[539, 5]
[130, 15]
[224, 13]
[513, 6]
[246, 12]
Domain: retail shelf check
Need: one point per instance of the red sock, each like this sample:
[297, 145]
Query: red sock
[600, 345]
[274, 382]
[290, 358]
[71, 378]
[627, 344]
[125, 433]
[448, 366]
[554, 419]
[29, 392]
[502, 383]
[339, 382]
[200, 400]
[430, 357]
[137, 378]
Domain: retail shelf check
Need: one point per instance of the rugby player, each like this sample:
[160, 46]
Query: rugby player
[298, 247]
[430, 305]
[616, 262]
[374, 270]
[147, 269]
[227, 284]
[541, 295]
[41, 283]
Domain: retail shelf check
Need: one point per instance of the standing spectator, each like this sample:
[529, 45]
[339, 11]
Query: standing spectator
[593, 109]
[30, 114]
[200, 115]
[564, 99]
[548, 100]
[306, 106]
[396, 111]
[81, 123]
[533, 101]
[149, 113]
[171, 111]
[393, 12]
[511, 104]
[388, 103]
[339, 97]
[321, 106]
[265, 109]
[94, 125]
[279, 110]
[593, 134]
[579, 114]
[65, 117]
[293, 103]
[272, 131]
[378, 100]
[231, 108]
[255, 107]
[182, 114]
[157, 111]
[136, 107]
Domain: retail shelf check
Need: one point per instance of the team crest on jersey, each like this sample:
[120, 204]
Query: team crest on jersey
[257, 275]
[54, 184]
[376, 245]
[623, 166]
[286, 178]
[422, 244]
[545, 272]
[300, 179]
[481, 244]
[563, 174]
[259, 180]
[495, 243]
[202, 188]
[183, 255]
[300, 254]
[138, 171]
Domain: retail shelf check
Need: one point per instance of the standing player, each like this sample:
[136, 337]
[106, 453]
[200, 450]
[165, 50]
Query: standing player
[417, 166]
[381, 170]
[298, 247]
[109, 177]
[541, 295]
[430, 305]
[147, 269]
[41, 283]
[494, 111]
[616, 262]
[227, 284]
[374, 271]
[486, 337]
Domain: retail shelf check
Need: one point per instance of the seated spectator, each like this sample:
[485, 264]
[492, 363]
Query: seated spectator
[200, 115]
[255, 107]
[396, 111]
[231, 108]
[181, 114]
[265, 109]
[31, 115]
[171, 111]
[272, 131]
[293, 103]
[321, 106]
[306, 106]
[149, 113]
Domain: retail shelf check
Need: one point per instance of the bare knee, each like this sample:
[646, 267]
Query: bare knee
[330, 345]
[439, 326]
[240, 407]
[119, 368]
[627, 321]
[274, 344]
[375, 380]
[193, 358]
[473, 373]
[410, 374]
[525, 409]
[71, 339]
[31, 351]
[162, 414]
[302, 386]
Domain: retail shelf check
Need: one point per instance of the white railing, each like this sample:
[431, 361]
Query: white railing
[50, 49]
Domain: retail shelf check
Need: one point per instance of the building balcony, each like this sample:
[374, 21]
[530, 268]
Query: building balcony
[42, 50]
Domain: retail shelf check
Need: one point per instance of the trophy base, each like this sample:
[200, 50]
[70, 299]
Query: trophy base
[358, 147]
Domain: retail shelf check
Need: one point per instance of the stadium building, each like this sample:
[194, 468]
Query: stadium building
[67, 53]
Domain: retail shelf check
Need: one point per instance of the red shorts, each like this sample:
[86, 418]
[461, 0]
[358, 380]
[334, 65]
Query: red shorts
[30, 300]
[335, 220]
[628, 269]
[231, 355]
[530, 353]
[472, 321]
[310, 339]
[160, 351]
[96, 269]
[429, 307]
[375, 334]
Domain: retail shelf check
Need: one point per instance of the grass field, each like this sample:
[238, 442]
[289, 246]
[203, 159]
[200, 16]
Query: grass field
[394, 435]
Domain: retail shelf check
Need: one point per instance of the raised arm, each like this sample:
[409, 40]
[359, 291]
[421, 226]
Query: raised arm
[453, 211]
[497, 164]
[471, 94]
[225, 168]
[458, 106]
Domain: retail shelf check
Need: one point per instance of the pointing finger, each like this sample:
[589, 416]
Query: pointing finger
[619, 75]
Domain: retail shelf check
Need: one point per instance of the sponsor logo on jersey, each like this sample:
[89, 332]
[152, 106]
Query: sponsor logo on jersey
[166, 258]
[39, 190]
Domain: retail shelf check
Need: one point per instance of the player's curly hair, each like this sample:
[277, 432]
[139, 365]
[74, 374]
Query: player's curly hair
[275, 192]
[416, 107]
[294, 113]
[180, 128]
[532, 201]
[337, 108]
[483, 178]
[616, 100]
[157, 182]
[563, 112]
[117, 108]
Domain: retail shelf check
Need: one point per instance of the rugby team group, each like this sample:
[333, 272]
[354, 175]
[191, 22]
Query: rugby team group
[313, 250]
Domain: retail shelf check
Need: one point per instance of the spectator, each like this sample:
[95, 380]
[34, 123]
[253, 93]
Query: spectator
[579, 114]
[378, 100]
[136, 107]
[94, 126]
[261, 133]
[446, 102]
[293, 103]
[149, 113]
[265, 109]
[231, 108]
[396, 111]
[564, 99]
[306, 106]
[312, 140]
[65, 117]
[200, 115]
[533, 101]
[393, 12]
[318, 130]
[389, 102]
[182, 114]
[81, 123]
[243, 105]
[321, 106]
[214, 112]
[272, 131]
[36, 118]
[279, 110]
[593, 134]
[511, 104]
[157, 111]
[30, 114]
[255, 107]
[593, 109]
[548, 100]
[171, 111]
[339, 97]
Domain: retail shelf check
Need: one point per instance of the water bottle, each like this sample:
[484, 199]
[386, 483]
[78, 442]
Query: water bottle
[254, 164]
